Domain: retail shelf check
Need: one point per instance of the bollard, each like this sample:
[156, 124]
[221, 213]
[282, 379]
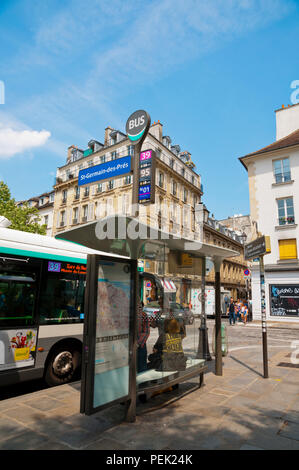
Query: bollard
[224, 341]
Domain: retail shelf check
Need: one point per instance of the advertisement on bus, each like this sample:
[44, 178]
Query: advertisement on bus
[17, 348]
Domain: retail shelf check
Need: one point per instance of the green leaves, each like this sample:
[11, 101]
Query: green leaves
[22, 218]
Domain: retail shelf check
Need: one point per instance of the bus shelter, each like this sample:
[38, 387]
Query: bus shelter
[138, 339]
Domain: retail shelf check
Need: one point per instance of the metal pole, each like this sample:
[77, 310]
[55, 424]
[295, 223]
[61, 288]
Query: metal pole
[130, 409]
[203, 339]
[218, 345]
[263, 312]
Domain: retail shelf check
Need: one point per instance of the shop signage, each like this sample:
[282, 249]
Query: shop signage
[256, 248]
[105, 171]
[246, 272]
[186, 260]
[284, 300]
[146, 177]
[137, 125]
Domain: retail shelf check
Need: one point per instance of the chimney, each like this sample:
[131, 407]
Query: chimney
[70, 152]
[287, 120]
[156, 130]
[108, 131]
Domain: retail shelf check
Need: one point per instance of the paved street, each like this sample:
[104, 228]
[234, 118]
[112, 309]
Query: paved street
[240, 410]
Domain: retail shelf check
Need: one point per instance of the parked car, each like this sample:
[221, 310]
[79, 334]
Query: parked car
[183, 312]
[153, 311]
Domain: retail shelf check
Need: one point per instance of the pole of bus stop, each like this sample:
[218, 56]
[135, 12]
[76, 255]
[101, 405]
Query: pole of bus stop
[218, 339]
[203, 343]
[263, 315]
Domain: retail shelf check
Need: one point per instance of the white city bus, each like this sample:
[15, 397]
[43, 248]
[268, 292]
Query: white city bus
[42, 284]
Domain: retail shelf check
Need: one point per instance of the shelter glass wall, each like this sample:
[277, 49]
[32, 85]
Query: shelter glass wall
[167, 334]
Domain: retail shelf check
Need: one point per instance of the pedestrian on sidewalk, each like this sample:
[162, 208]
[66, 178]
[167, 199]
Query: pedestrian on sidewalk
[238, 310]
[244, 313]
[143, 333]
[231, 312]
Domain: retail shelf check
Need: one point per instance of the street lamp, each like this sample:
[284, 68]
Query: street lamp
[203, 339]
[243, 237]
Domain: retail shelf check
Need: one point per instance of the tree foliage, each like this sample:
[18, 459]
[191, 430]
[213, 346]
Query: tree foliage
[22, 218]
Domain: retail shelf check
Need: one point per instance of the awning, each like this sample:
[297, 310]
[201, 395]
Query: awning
[168, 285]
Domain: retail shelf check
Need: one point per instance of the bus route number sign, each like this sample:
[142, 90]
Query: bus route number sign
[54, 267]
[146, 176]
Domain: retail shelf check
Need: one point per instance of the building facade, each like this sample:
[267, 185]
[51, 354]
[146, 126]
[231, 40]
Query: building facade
[178, 187]
[45, 205]
[178, 190]
[233, 281]
[273, 175]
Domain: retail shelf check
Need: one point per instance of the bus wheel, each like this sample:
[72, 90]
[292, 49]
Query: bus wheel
[63, 365]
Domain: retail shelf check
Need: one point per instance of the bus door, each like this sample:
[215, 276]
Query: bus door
[19, 280]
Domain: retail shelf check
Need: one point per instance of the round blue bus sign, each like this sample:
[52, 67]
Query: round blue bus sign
[137, 125]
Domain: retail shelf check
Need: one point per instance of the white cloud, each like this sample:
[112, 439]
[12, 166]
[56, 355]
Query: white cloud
[14, 141]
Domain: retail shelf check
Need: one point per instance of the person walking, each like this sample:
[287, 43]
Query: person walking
[231, 312]
[143, 333]
[238, 310]
[244, 313]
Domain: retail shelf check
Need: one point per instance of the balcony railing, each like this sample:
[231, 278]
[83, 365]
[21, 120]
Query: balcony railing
[283, 177]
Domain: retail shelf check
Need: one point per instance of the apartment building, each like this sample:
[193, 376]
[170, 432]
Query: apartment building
[233, 282]
[178, 187]
[45, 205]
[273, 175]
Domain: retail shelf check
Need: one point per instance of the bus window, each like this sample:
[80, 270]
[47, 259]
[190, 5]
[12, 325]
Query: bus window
[62, 297]
[17, 300]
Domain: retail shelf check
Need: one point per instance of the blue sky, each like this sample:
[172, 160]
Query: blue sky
[212, 72]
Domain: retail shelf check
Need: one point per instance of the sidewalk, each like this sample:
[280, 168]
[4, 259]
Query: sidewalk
[277, 324]
[240, 410]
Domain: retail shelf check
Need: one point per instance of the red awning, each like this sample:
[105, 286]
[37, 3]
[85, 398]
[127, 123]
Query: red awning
[168, 285]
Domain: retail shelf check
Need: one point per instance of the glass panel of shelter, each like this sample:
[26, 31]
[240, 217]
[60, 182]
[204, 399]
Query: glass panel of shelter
[167, 333]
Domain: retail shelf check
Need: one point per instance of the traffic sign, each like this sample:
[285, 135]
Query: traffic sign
[259, 247]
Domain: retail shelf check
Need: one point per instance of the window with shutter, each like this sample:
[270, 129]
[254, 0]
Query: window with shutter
[288, 249]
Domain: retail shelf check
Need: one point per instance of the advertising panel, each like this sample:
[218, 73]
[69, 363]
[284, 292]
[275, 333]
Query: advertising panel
[17, 348]
[284, 300]
[108, 330]
[112, 332]
[104, 171]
